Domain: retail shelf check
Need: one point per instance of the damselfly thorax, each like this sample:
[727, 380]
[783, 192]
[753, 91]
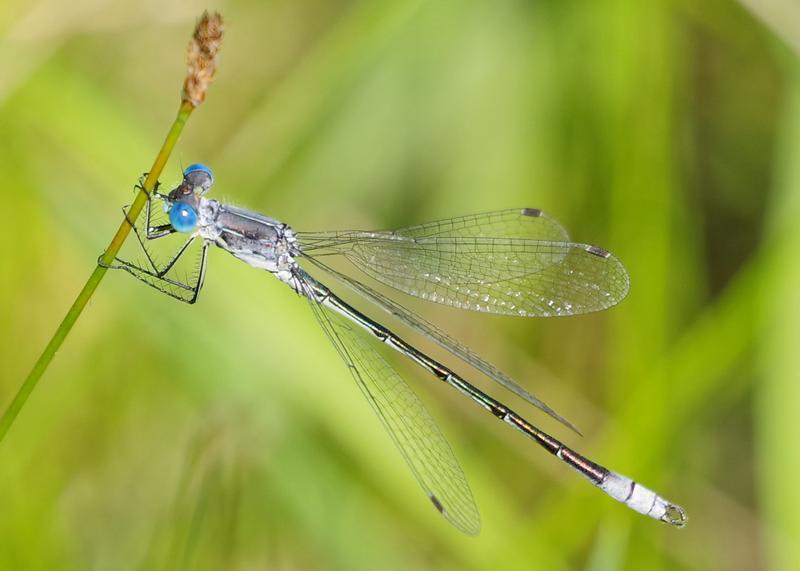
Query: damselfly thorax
[258, 240]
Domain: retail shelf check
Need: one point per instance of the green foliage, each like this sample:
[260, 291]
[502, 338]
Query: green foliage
[665, 131]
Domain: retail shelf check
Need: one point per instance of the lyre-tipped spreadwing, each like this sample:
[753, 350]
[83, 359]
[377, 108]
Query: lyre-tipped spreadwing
[510, 262]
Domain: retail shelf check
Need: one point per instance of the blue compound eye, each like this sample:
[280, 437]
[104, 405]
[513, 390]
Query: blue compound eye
[183, 217]
[198, 177]
[198, 167]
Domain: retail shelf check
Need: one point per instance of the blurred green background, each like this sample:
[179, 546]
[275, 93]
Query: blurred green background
[228, 435]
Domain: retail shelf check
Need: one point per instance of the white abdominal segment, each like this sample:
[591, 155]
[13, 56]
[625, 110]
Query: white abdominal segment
[641, 499]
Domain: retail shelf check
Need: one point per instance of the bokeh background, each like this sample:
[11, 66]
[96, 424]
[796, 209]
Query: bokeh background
[228, 435]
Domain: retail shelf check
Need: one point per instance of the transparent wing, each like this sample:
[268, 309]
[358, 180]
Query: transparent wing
[405, 418]
[429, 330]
[530, 223]
[509, 262]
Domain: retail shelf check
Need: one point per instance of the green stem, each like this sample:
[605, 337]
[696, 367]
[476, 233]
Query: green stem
[108, 256]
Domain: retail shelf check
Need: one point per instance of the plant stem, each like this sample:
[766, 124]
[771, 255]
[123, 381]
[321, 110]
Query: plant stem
[108, 256]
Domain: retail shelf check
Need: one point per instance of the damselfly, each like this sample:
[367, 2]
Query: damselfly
[511, 262]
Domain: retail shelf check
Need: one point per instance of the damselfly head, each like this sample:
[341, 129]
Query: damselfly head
[197, 180]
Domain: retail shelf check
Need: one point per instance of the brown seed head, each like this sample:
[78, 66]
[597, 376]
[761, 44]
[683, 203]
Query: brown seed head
[201, 59]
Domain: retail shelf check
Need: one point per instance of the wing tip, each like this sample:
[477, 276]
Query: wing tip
[469, 526]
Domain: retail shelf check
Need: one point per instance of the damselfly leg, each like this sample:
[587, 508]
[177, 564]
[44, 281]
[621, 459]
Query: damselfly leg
[165, 260]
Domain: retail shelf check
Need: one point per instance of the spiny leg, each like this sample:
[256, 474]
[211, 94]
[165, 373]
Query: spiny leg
[153, 232]
[181, 289]
[152, 272]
